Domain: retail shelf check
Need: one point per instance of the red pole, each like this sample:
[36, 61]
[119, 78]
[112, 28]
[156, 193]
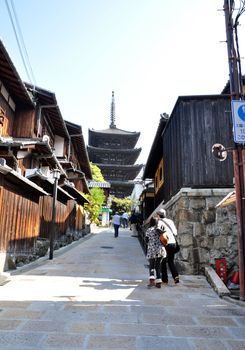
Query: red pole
[239, 163]
[238, 153]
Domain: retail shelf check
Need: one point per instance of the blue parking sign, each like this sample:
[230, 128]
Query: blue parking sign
[238, 118]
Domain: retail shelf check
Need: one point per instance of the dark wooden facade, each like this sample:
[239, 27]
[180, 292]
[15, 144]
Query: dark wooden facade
[19, 212]
[34, 140]
[182, 149]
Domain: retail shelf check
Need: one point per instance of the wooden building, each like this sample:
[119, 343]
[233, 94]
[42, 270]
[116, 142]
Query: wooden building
[181, 154]
[189, 181]
[113, 151]
[35, 140]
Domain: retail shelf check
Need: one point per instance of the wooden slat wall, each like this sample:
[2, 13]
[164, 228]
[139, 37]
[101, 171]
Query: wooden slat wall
[65, 217]
[24, 124]
[19, 222]
[195, 125]
[8, 120]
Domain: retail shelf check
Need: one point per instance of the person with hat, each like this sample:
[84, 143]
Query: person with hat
[169, 229]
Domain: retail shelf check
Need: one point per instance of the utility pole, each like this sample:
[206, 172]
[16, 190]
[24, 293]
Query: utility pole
[236, 91]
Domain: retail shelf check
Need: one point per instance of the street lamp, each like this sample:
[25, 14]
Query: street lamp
[56, 176]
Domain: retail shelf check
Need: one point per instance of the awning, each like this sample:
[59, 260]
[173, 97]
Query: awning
[48, 185]
[79, 197]
[21, 181]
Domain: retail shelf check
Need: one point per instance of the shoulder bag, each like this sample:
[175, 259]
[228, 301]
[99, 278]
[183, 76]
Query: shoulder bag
[177, 247]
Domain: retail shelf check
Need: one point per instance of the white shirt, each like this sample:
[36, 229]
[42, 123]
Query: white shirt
[169, 226]
[116, 219]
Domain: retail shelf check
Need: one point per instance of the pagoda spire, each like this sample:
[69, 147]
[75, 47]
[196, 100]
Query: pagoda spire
[112, 125]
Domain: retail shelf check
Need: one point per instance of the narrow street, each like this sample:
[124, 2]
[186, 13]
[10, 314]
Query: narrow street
[94, 295]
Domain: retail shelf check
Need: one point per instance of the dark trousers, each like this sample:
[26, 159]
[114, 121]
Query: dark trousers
[155, 265]
[125, 222]
[116, 230]
[170, 248]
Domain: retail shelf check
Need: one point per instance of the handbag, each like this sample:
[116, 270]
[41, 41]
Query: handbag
[164, 238]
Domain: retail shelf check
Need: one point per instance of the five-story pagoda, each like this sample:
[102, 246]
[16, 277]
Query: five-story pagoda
[113, 151]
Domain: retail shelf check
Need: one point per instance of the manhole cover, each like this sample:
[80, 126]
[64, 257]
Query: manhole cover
[106, 247]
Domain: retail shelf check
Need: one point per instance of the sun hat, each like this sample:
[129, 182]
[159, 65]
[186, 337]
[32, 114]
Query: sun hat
[161, 212]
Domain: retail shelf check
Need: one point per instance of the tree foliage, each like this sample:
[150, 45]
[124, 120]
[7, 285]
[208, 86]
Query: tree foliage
[121, 204]
[96, 173]
[96, 197]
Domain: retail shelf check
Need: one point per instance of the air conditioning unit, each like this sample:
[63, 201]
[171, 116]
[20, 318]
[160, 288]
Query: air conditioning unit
[2, 161]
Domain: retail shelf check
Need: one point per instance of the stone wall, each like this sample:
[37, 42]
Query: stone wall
[205, 233]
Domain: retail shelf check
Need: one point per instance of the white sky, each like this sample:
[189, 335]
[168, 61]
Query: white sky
[148, 51]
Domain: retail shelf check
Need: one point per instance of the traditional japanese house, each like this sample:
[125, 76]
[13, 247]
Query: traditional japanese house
[66, 142]
[19, 197]
[189, 181]
[113, 151]
[35, 140]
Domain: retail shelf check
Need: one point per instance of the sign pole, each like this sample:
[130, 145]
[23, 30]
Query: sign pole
[239, 151]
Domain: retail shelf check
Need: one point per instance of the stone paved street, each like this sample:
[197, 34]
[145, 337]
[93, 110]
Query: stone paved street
[93, 295]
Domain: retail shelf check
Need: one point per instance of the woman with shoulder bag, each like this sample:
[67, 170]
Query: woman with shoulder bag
[168, 228]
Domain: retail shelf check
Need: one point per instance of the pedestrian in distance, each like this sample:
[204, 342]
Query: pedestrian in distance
[133, 220]
[169, 229]
[155, 253]
[116, 220]
[125, 220]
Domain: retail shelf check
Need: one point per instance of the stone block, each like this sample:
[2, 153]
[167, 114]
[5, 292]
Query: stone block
[209, 216]
[211, 202]
[182, 215]
[198, 229]
[185, 227]
[220, 242]
[197, 203]
[186, 240]
[183, 203]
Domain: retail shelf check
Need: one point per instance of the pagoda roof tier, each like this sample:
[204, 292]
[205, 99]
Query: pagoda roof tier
[121, 189]
[113, 138]
[119, 172]
[106, 155]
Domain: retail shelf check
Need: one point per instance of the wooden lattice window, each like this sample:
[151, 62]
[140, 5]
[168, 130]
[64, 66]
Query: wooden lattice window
[159, 176]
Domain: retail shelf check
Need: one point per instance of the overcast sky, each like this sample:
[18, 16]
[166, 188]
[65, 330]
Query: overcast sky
[148, 51]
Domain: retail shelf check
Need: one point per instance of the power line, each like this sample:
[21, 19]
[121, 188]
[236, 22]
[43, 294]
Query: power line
[20, 42]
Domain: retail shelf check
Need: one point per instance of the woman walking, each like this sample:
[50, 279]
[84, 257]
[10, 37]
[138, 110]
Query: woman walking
[155, 252]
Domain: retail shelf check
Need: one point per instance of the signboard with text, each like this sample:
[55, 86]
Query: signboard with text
[238, 117]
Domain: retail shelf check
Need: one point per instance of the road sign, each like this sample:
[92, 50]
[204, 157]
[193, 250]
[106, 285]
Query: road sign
[238, 117]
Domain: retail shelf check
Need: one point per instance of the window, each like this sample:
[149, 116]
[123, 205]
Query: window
[159, 178]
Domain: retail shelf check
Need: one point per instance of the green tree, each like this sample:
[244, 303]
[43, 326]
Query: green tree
[96, 173]
[96, 197]
[121, 204]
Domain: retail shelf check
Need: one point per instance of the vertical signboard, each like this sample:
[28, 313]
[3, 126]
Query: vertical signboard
[238, 117]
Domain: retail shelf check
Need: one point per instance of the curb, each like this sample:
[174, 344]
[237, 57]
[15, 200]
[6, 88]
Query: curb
[217, 284]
